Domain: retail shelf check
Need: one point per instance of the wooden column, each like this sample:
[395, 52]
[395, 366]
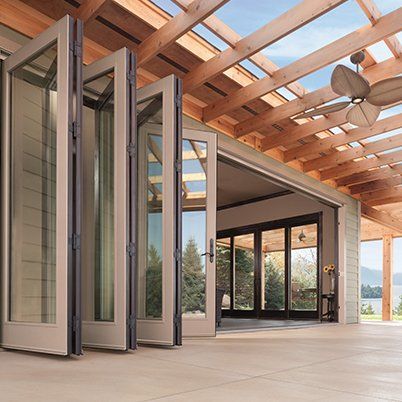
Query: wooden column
[387, 242]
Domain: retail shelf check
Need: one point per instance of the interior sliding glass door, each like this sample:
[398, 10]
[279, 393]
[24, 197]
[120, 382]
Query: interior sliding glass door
[108, 278]
[159, 171]
[40, 187]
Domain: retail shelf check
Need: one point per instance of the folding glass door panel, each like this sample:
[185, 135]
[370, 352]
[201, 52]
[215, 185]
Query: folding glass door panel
[40, 310]
[107, 316]
[159, 143]
[199, 232]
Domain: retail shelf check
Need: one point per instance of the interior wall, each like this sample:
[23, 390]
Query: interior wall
[284, 207]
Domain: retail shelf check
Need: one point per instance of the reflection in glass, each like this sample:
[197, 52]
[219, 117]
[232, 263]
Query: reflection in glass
[194, 196]
[244, 272]
[150, 208]
[223, 271]
[99, 132]
[304, 262]
[33, 189]
[273, 274]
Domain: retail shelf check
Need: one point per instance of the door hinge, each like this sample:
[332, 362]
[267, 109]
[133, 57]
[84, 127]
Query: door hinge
[179, 100]
[131, 149]
[177, 255]
[75, 324]
[178, 165]
[131, 249]
[131, 321]
[131, 77]
[76, 48]
[74, 129]
[177, 320]
[76, 241]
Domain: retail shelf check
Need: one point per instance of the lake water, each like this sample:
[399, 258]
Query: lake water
[376, 303]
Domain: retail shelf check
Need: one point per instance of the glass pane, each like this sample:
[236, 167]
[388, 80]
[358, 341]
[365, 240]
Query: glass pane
[150, 208]
[244, 272]
[99, 126]
[33, 189]
[194, 197]
[273, 273]
[223, 272]
[304, 280]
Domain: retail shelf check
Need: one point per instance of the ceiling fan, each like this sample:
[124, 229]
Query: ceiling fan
[366, 100]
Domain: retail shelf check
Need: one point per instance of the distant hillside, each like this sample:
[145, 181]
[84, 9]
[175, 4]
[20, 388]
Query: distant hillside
[373, 277]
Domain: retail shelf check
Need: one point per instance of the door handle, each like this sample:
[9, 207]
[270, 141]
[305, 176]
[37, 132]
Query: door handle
[211, 252]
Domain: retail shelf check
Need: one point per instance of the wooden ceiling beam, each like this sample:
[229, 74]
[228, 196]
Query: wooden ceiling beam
[386, 69]
[381, 194]
[350, 154]
[375, 185]
[357, 134]
[385, 201]
[381, 217]
[90, 9]
[357, 40]
[270, 33]
[231, 38]
[175, 28]
[369, 175]
[351, 167]
[374, 14]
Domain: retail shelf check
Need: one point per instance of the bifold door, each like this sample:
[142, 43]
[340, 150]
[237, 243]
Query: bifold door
[159, 212]
[108, 309]
[40, 178]
[199, 232]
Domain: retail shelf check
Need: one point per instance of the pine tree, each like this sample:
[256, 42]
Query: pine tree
[193, 279]
[398, 309]
[274, 281]
[154, 283]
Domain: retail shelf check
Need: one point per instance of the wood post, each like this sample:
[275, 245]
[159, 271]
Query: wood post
[387, 270]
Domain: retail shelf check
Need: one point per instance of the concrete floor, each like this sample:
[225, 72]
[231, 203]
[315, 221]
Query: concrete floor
[249, 324]
[320, 363]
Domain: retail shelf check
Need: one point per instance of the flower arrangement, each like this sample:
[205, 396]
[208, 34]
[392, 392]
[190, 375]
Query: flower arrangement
[330, 270]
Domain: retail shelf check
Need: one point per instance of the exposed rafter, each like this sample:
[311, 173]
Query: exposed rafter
[89, 9]
[375, 185]
[381, 217]
[363, 37]
[286, 23]
[175, 28]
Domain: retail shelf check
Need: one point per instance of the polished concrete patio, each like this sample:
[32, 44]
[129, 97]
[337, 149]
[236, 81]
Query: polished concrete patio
[320, 363]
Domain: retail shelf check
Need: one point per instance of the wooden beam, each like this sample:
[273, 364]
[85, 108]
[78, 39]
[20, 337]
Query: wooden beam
[270, 33]
[350, 154]
[337, 140]
[381, 217]
[386, 69]
[230, 37]
[175, 28]
[363, 37]
[369, 175]
[394, 199]
[374, 14]
[374, 185]
[90, 9]
[381, 194]
[387, 272]
[348, 168]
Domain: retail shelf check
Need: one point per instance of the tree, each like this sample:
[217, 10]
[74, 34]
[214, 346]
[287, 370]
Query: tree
[274, 281]
[371, 292]
[367, 309]
[398, 310]
[154, 283]
[244, 278]
[193, 279]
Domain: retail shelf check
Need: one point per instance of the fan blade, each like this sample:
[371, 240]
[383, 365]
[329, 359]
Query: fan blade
[363, 114]
[324, 110]
[346, 82]
[386, 92]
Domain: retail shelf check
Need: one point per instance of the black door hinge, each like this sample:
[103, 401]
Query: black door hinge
[177, 320]
[131, 249]
[179, 100]
[131, 321]
[76, 48]
[178, 165]
[74, 129]
[131, 78]
[75, 324]
[177, 255]
[131, 149]
[76, 241]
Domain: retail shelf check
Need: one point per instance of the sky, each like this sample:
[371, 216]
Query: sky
[371, 254]
[246, 16]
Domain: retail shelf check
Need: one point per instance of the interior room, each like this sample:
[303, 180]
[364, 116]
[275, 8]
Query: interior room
[274, 248]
